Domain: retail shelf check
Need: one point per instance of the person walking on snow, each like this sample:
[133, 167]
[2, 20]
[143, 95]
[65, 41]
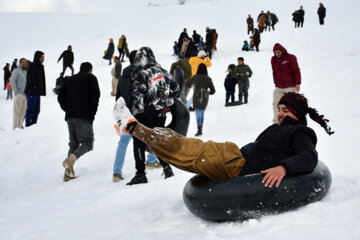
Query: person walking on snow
[283, 149]
[68, 60]
[110, 51]
[203, 88]
[153, 92]
[322, 13]
[286, 75]
[79, 98]
[7, 74]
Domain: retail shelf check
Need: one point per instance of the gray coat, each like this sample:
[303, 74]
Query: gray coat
[18, 80]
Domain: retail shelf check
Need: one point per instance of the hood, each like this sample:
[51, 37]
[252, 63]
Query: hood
[37, 56]
[278, 46]
[144, 56]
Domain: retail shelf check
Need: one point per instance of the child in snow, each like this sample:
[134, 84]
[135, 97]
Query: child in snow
[229, 84]
[200, 45]
[176, 49]
[245, 47]
[252, 43]
[9, 90]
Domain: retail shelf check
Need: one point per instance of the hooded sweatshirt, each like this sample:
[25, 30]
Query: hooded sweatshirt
[153, 88]
[35, 78]
[286, 72]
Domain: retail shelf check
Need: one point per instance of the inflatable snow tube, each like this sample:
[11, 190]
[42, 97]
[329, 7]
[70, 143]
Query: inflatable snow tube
[180, 117]
[246, 197]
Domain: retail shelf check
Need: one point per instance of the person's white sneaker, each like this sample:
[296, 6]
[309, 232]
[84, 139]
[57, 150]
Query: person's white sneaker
[122, 117]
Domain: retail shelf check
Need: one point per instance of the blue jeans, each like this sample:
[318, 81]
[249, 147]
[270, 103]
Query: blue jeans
[33, 109]
[120, 153]
[199, 116]
[229, 94]
[151, 157]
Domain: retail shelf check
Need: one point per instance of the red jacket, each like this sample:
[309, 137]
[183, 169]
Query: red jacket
[286, 71]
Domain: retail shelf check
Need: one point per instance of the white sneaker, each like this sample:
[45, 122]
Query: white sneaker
[122, 117]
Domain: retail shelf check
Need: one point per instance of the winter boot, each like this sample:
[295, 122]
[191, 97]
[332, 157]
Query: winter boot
[168, 172]
[139, 178]
[68, 164]
[199, 132]
[240, 98]
[122, 116]
[117, 177]
[246, 95]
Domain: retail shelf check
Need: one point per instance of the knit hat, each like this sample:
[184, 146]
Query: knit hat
[201, 53]
[298, 105]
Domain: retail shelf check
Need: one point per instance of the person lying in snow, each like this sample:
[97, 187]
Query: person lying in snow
[285, 148]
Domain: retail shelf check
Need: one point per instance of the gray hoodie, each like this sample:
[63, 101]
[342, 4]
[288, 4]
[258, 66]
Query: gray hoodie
[18, 80]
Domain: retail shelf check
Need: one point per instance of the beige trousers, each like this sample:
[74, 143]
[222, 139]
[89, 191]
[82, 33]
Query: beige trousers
[20, 105]
[277, 94]
[216, 161]
[114, 84]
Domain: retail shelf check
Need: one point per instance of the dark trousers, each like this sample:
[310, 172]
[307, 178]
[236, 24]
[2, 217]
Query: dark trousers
[180, 79]
[301, 23]
[65, 66]
[81, 136]
[32, 110]
[150, 121]
[243, 90]
[230, 93]
[257, 46]
[321, 20]
[121, 54]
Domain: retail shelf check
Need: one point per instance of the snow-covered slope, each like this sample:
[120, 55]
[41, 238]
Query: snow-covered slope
[36, 204]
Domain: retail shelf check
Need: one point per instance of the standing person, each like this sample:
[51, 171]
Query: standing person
[229, 84]
[184, 47]
[79, 98]
[181, 71]
[286, 74]
[18, 83]
[182, 36]
[176, 49]
[283, 149]
[115, 72]
[153, 93]
[215, 38]
[296, 18]
[271, 20]
[121, 47]
[322, 13]
[9, 90]
[35, 87]
[14, 65]
[256, 38]
[261, 21]
[7, 74]
[301, 16]
[68, 60]
[196, 37]
[110, 51]
[250, 24]
[208, 42]
[203, 88]
[242, 73]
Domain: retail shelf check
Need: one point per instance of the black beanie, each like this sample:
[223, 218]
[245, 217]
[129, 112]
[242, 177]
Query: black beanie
[298, 105]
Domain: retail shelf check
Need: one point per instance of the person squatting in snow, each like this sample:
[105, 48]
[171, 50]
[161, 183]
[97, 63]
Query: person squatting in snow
[285, 148]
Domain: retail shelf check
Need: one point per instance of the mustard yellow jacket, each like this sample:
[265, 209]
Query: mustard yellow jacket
[196, 61]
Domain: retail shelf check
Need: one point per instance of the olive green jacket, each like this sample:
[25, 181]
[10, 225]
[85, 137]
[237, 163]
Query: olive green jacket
[185, 66]
[242, 73]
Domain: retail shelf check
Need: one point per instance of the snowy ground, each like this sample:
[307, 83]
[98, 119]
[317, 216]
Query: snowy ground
[36, 204]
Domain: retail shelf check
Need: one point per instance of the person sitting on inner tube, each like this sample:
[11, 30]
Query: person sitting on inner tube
[285, 148]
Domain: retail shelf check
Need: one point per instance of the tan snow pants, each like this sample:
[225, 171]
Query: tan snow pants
[216, 161]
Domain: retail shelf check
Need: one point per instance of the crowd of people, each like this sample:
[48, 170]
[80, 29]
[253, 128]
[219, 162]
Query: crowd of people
[144, 93]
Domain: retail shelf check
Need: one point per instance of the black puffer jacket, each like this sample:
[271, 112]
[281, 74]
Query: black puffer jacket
[290, 144]
[153, 88]
[35, 77]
